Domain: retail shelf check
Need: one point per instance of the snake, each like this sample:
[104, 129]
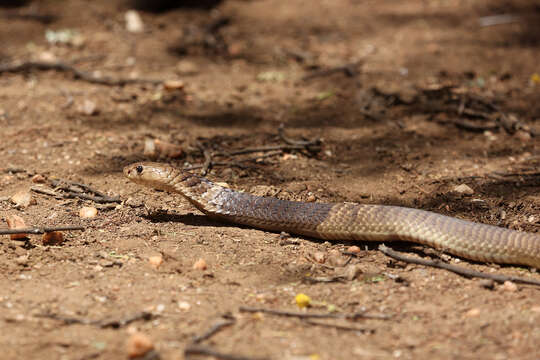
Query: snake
[343, 221]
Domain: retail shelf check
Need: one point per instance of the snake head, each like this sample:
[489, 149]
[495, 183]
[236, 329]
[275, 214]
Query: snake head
[154, 175]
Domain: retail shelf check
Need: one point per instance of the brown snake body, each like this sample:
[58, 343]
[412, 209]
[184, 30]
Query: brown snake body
[344, 221]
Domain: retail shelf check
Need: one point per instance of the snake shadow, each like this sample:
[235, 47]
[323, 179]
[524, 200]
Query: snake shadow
[203, 220]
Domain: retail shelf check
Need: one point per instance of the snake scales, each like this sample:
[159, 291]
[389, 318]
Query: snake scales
[344, 221]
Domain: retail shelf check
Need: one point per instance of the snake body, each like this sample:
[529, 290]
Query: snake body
[344, 221]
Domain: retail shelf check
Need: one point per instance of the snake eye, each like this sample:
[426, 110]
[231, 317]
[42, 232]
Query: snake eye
[139, 169]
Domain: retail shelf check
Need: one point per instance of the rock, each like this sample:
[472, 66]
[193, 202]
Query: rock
[523, 135]
[335, 258]
[186, 67]
[354, 249]
[23, 199]
[38, 179]
[463, 189]
[509, 286]
[200, 264]
[184, 305]
[474, 312]
[16, 222]
[138, 345]
[134, 23]
[88, 107]
[155, 261]
[487, 284]
[88, 212]
[52, 238]
[172, 85]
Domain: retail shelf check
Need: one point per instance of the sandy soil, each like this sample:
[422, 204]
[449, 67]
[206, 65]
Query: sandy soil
[432, 100]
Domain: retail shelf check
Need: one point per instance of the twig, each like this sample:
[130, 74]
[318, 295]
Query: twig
[76, 190]
[263, 149]
[78, 74]
[216, 327]
[234, 163]
[348, 69]
[115, 324]
[456, 269]
[40, 230]
[45, 191]
[303, 315]
[200, 350]
[339, 327]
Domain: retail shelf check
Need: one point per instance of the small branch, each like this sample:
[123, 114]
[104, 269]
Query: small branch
[40, 230]
[349, 70]
[78, 74]
[456, 269]
[303, 315]
[339, 327]
[218, 326]
[115, 324]
[199, 350]
[263, 149]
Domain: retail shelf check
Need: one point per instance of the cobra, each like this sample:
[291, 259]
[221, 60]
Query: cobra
[344, 221]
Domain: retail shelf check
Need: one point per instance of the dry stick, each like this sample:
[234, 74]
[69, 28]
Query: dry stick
[78, 74]
[70, 188]
[303, 315]
[219, 325]
[235, 163]
[347, 69]
[40, 230]
[339, 327]
[115, 324]
[456, 269]
[200, 350]
[261, 149]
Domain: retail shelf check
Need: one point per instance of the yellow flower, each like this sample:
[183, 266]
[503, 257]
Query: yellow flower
[302, 300]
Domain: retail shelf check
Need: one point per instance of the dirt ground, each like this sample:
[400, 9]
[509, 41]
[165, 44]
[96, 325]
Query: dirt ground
[424, 96]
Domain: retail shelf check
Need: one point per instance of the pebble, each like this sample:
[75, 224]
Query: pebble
[88, 212]
[352, 271]
[464, 189]
[38, 179]
[487, 284]
[23, 199]
[134, 23]
[52, 238]
[473, 312]
[523, 135]
[354, 249]
[171, 85]
[184, 305]
[200, 264]
[138, 345]
[88, 107]
[509, 286]
[155, 261]
[16, 222]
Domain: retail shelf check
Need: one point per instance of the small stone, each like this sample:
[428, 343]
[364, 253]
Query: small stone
[487, 284]
[155, 261]
[149, 147]
[138, 345]
[489, 135]
[473, 312]
[523, 135]
[16, 222]
[168, 150]
[88, 212]
[311, 198]
[509, 286]
[52, 238]
[354, 249]
[536, 309]
[38, 179]
[464, 189]
[88, 107]
[171, 85]
[184, 305]
[23, 199]
[200, 264]
[134, 23]
[319, 257]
